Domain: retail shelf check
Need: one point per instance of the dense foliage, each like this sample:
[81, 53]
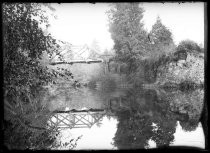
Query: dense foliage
[146, 118]
[127, 32]
[24, 43]
[160, 34]
[133, 44]
[144, 52]
[145, 115]
[189, 45]
[162, 41]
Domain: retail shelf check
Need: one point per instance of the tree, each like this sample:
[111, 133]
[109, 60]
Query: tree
[159, 48]
[161, 38]
[126, 27]
[24, 43]
[160, 34]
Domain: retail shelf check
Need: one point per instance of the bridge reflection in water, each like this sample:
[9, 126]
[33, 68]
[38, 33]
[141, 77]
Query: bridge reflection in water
[75, 119]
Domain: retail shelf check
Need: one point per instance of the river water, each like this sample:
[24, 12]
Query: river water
[109, 113]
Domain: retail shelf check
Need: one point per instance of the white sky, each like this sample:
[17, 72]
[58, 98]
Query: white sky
[81, 23]
[185, 20]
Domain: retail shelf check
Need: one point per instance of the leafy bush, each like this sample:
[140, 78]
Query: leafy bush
[189, 46]
[190, 125]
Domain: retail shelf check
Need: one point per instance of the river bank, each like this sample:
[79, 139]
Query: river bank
[182, 74]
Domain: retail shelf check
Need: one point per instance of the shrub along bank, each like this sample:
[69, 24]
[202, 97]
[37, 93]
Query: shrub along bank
[183, 74]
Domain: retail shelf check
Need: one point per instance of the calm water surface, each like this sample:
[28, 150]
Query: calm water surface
[109, 115]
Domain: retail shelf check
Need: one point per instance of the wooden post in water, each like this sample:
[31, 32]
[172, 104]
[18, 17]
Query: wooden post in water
[105, 68]
[118, 68]
[108, 66]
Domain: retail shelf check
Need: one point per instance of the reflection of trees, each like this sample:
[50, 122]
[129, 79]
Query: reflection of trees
[27, 136]
[29, 132]
[189, 104]
[190, 125]
[135, 124]
[133, 131]
[163, 135]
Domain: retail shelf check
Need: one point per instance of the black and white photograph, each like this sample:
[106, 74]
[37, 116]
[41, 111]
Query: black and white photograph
[104, 76]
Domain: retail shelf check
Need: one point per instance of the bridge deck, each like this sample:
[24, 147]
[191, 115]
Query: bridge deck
[77, 61]
[75, 119]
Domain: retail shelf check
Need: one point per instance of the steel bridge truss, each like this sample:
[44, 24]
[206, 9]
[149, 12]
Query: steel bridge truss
[74, 120]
